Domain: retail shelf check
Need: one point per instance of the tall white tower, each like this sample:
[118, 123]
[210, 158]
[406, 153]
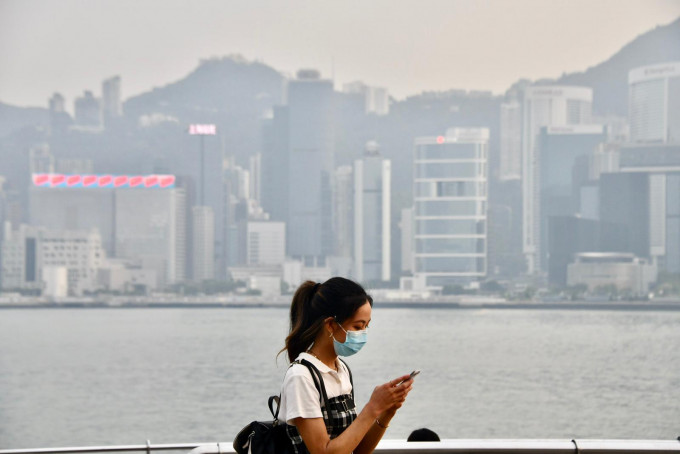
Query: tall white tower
[203, 243]
[372, 198]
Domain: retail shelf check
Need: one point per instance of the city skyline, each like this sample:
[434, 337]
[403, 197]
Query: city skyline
[155, 44]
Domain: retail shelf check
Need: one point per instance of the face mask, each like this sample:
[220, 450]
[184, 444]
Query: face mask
[353, 342]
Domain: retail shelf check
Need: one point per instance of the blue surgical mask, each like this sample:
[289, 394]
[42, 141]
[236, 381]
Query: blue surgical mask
[353, 342]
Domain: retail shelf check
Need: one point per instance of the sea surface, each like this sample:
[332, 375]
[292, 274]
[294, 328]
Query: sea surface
[81, 377]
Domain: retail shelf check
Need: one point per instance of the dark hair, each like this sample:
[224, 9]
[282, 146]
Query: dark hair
[313, 303]
[423, 435]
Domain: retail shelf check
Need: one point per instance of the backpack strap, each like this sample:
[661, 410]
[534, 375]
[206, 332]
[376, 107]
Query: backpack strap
[270, 403]
[318, 383]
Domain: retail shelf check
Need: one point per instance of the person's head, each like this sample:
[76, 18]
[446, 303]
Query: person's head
[326, 312]
[423, 435]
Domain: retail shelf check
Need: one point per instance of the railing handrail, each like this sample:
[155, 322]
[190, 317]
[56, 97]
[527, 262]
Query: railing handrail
[446, 446]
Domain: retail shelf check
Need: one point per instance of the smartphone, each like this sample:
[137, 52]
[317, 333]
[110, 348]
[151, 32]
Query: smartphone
[413, 374]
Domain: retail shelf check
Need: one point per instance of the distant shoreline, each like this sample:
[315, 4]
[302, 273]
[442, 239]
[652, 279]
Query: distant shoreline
[579, 305]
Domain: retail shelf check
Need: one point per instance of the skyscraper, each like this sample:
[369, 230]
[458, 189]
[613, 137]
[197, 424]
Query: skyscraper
[343, 211]
[450, 203]
[372, 198]
[406, 226]
[376, 99]
[88, 111]
[59, 118]
[563, 150]
[544, 106]
[659, 164]
[275, 164]
[203, 243]
[310, 166]
[256, 178]
[654, 103]
[112, 106]
[511, 140]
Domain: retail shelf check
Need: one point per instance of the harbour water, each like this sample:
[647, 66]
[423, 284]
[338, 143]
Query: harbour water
[78, 377]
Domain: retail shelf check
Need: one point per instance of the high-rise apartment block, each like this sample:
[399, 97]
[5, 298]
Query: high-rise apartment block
[372, 199]
[450, 207]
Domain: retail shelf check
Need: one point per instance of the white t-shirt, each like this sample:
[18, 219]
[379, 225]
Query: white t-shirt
[299, 396]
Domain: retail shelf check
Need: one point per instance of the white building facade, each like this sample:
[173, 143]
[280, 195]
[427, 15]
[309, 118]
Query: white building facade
[654, 103]
[511, 141]
[624, 271]
[203, 243]
[57, 263]
[372, 198]
[265, 243]
[450, 207]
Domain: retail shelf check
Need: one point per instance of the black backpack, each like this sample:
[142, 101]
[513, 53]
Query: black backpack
[270, 437]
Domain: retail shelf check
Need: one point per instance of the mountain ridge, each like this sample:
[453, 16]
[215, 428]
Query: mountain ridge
[609, 79]
[234, 90]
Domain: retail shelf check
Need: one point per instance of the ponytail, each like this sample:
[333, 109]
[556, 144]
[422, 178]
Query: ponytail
[313, 303]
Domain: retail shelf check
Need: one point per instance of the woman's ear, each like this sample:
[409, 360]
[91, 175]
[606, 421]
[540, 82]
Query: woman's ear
[328, 324]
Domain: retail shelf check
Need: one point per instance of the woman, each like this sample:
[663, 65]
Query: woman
[327, 320]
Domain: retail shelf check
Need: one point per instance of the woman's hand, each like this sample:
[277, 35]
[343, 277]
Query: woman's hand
[390, 395]
[407, 387]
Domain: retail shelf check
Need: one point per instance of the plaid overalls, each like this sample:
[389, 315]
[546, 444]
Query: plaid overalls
[342, 413]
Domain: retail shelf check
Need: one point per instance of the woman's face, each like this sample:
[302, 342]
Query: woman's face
[357, 322]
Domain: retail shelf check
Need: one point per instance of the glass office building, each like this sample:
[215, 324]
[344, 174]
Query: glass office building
[544, 106]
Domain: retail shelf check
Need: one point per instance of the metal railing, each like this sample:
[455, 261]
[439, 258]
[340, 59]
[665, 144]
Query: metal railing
[448, 446]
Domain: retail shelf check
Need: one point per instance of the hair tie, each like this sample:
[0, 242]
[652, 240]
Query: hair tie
[316, 287]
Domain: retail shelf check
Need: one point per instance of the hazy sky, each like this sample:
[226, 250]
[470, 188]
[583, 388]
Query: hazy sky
[405, 45]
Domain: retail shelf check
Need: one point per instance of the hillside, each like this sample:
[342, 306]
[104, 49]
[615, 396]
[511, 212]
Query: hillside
[217, 85]
[609, 79]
